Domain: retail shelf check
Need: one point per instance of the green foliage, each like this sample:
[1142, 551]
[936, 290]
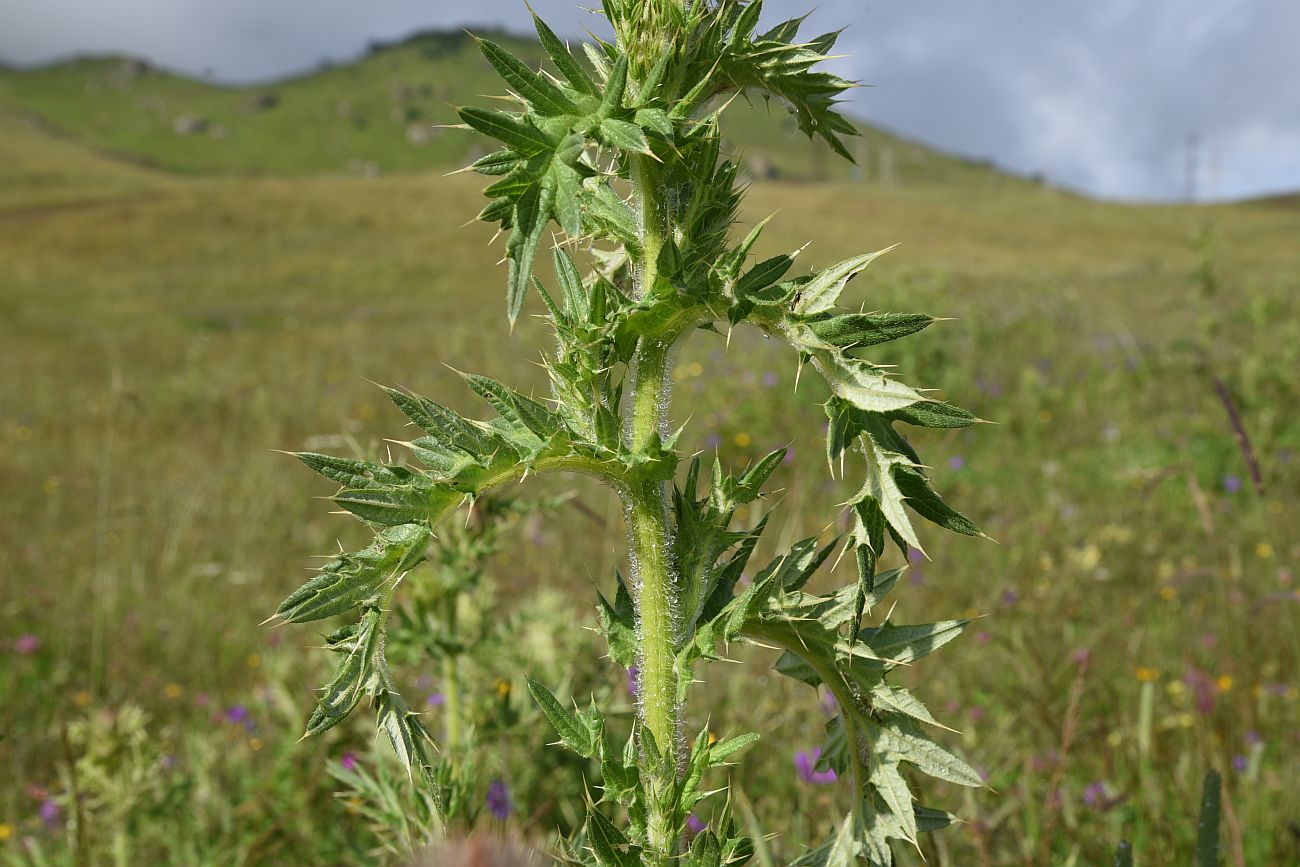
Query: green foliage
[648, 122]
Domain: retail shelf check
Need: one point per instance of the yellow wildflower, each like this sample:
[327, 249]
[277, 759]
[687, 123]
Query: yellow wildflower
[81, 697]
[742, 439]
[1168, 593]
[503, 687]
[172, 690]
[6, 831]
[1263, 550]
[1223, 682]
[254, 660]
[1146, 675]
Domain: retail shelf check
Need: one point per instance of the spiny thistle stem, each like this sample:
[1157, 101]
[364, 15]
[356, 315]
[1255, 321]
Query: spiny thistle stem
[647, 516]
[645, 114]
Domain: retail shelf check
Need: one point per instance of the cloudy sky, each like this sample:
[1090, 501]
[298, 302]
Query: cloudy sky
[1100, 95]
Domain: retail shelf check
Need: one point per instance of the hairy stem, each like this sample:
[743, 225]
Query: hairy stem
[648, 522]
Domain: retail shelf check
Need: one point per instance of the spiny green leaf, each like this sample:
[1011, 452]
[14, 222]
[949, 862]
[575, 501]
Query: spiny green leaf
[750, 485]
[911, 746]
[352, 579]
[898, 700]
[823, 290]
[516, 134]
[395, 506]
[929, 505]
[705, 850]
[354, 473]
[855, 330]
[521, 411]
[543, 95]
[934, 414]
[406, 733]
[929, 820]
[624, 136]
[443, 425]
[763, 274]
[618, 623]
[532, 212]
[866, 388]
[615, 85]
[350, 679]
[655, 120]
[910, 643]
[611, 846]
[563, 60]
[892, 788]
[724, 749]
[500, 162]
[573, 733]
[576, 302]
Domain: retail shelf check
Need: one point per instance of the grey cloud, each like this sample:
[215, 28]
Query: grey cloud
[1100, 96]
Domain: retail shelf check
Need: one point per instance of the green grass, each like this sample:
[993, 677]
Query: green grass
[162, 335]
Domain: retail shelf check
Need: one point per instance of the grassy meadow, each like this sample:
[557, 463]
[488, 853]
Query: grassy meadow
[163, 332]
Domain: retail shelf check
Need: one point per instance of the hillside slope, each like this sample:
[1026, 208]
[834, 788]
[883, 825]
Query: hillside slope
[39, 170]
[379, 114]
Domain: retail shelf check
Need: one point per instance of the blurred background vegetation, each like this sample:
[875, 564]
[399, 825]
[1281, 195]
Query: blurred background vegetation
[194, 275]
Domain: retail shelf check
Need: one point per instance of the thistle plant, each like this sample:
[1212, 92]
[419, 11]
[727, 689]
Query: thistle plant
[618, 157]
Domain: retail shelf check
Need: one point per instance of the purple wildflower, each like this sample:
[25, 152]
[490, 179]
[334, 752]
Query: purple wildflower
[1231, 484]
[713, 441]
[27, 644]
[956, 462]
[435, 699]
[805, 764]
[1253, 738]
[1202, 685]
[1095, 794]
[49, 812]
[829, 704]
[1010, 597]
[694, 824]
[348, 761]
[498, 799]
[633, 680]
[915, 555]
[769, 379]
[238, 715]
[1239, 764]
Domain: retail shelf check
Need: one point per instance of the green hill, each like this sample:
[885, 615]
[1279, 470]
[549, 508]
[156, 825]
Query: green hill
[378, 114]
[39, 169]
